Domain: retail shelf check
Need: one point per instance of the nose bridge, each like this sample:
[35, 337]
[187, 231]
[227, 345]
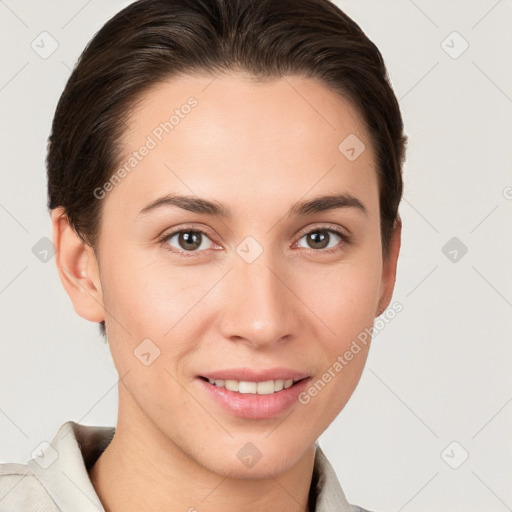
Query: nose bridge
[258, 304]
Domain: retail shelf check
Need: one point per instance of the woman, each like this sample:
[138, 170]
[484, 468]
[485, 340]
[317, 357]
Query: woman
[224, 179]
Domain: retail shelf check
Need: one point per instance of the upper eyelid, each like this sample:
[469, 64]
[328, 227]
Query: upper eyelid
[185, 228]
[325, 227]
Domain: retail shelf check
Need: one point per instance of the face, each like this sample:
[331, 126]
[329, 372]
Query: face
[237, 283]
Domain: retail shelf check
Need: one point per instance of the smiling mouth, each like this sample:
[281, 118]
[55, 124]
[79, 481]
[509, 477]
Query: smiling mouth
[267, 387]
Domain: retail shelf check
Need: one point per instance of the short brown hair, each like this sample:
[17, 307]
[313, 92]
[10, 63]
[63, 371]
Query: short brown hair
[153, 40]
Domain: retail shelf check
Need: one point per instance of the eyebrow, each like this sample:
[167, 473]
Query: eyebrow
[214, 208]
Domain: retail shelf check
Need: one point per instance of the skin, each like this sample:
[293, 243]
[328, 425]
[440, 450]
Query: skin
[257, 148]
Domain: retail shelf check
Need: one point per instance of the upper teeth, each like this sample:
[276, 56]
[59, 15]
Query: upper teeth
[261, 388]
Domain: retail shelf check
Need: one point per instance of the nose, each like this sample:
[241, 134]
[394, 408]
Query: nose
[259, 306]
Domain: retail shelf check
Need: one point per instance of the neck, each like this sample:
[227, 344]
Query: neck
[142, 469]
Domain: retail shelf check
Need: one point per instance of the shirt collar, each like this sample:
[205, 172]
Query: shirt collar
[66, 479]
[329, 494]
[78, 447]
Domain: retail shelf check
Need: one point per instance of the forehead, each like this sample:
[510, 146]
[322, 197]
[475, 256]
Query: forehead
[233, 137]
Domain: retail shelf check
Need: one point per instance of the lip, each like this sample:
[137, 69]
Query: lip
[251, 405]
[252, 375]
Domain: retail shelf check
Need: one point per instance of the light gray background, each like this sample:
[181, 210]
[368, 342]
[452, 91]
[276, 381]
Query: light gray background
[438, 373]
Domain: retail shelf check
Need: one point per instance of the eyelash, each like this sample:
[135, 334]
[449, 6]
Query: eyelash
[331, 228]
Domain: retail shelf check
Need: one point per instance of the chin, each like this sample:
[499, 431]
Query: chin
[253, 459]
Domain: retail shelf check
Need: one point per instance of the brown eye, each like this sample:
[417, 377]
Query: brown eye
[320, 239]
[187, 240]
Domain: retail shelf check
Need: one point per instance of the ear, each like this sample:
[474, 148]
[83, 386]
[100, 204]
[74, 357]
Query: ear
[78, 268]
[389, 268]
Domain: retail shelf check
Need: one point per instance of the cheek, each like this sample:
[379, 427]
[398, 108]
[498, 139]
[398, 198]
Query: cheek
[148, 301]
[345, 301]
[148, 294]
[344, 298]
[151, 297]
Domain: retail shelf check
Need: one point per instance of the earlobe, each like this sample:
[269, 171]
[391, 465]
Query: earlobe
[78, 268]
[389, 268]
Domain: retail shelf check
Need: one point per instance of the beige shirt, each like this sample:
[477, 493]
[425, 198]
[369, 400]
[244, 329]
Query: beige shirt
[56, 480]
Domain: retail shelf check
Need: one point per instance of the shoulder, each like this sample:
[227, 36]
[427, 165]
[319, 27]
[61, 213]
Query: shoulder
[56, 478]
[21, 490]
